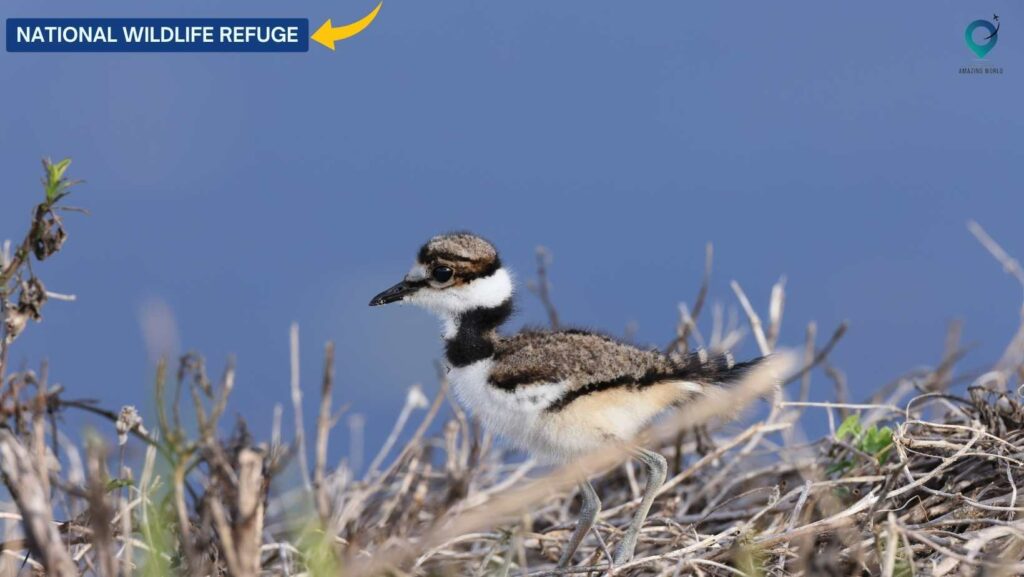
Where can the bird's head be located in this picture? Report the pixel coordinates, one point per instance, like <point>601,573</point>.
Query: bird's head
<point>454,273</point>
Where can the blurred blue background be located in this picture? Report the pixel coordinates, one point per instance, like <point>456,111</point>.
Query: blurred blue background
<point>832,143</point>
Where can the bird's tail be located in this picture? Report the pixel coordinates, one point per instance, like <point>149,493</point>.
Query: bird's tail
<point>713,368</point>
<point>703,374</point>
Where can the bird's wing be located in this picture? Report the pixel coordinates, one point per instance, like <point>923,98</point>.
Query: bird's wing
<point>586,360</point>
<point>576,358</point>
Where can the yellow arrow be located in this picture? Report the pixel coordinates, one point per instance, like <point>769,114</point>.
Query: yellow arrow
<point>328,35</point>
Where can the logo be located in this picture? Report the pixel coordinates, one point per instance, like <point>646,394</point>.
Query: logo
<point>989,34</point>
<point>981,37</point>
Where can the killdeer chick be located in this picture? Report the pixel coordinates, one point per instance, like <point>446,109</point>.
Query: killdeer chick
<point>557,394</point>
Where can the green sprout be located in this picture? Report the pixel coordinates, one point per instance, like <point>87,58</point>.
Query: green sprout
<point>872,440</point>
<point>54,183</point>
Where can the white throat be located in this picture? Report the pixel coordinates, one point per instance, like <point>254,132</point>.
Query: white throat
<point>449,303</point>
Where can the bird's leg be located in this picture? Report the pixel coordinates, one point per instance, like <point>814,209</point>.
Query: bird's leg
<point>657,469</point>
<point>589,510</point>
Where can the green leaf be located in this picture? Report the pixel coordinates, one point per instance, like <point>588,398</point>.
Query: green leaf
<point>115,484</point>
<point>840,467</point>
<point>850,426</point>
<point>57,170</point>
<point>54,183</point>
<point>877,441</point>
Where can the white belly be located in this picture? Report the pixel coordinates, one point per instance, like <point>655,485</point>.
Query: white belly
<point>588,423</point>
<point>517,416</point>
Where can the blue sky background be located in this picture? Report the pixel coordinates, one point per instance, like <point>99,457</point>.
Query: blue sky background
<point>832,143</point>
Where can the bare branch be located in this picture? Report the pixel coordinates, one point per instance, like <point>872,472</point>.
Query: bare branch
<point>25,486</point>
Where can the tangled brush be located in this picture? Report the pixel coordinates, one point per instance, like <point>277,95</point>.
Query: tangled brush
<point>918,479</point>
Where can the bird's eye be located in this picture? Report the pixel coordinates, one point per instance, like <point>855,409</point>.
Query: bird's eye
<point>442,274</point>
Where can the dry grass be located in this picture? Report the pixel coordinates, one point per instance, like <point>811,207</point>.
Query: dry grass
<point>916,480</point>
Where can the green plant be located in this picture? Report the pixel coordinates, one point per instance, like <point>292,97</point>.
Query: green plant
<point>872,440</point>
<point>56,186</point>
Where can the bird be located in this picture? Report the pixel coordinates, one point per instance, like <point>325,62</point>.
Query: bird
<point>558,394</point>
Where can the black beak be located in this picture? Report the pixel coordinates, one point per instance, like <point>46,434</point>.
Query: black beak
<point>394,294</point>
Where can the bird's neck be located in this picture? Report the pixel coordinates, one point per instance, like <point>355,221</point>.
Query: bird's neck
<point>471,335</point>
